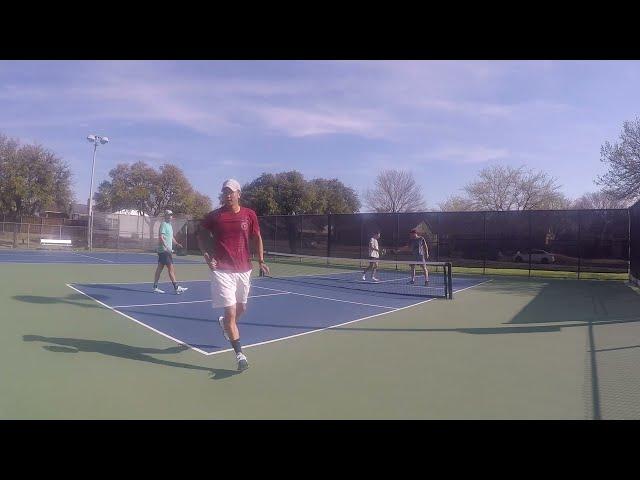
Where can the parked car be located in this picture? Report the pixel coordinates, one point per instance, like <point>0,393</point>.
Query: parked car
<point>537,256</point>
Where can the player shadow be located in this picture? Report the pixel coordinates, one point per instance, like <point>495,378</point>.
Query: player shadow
<point>72,299</point>
<point>114,349</point>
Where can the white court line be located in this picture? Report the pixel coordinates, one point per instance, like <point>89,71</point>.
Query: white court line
<point>80,262</point>
<point>89,256</point>
<point>143,282</point>
<point>53,257</point>
<point>326,298</point>
<point>192,301</point>
<point>158,304</point>
<point>138,322</point>
<point>341,324</point>
<point>268,341</point>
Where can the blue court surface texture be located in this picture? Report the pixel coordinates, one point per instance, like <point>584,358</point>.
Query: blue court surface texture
<point>277,309</point>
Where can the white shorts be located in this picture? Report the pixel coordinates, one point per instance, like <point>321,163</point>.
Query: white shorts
<point>229,288</point>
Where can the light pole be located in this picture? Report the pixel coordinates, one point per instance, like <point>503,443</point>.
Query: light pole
<point>95,139</point>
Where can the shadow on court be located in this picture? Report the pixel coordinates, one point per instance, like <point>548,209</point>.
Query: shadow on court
<point>140,354</point>
<point>72,299</point>
<point>511,329</point>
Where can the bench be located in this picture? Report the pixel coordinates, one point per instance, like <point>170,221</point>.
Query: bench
<point>49,242</point>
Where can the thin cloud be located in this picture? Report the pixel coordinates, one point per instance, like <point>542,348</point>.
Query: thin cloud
<point>301,123</point>
<point>466,155</point>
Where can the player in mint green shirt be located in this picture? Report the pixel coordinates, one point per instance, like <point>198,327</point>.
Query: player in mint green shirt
<point>165,257</point>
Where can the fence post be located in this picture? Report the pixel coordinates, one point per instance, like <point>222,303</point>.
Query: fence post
<point>438,215</point>
<point>529,243</point>
<point>275,235</point>
<point>579,242</point>
<point>361,231</point>
<point>329,220</point>
<point>28,232</point>
<point>397,239</point>
<point>629,243</point>
<point>60,233</point>
<point>301,233</point>
<point>484,243</point>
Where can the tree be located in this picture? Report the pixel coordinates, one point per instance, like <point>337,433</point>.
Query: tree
<point>150,192</point>
<point>198,205</point>
<point>8,164</point>
<point>598,200</point>
<point>131,187</point>
<point>286,193</point>
<point>456,203</point>
<point>395,191</point>
<point>332,196</point>
<point>500,188</point>
<point>622,181</point>
<point>32,180</point>
<point>260,195</point>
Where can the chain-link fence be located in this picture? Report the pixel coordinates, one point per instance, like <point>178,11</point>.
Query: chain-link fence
<point>110,232</point>
<point>562,240</point>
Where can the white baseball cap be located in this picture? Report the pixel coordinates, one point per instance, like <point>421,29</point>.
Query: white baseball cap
<point>168,212</point>
<point>232,184</point>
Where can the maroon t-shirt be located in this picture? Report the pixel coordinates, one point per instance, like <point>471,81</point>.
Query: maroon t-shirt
<point>231,232</point>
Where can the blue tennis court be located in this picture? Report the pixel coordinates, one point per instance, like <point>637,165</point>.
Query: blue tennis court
<point>277,309</point>
<point>93,258</point>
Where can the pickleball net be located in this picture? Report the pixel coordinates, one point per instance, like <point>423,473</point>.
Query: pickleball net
<point>391,276</point>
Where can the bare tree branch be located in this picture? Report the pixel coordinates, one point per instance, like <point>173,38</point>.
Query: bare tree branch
<point>500,188</point>
<point>622,181</point>
<point>598,200</point>
<point>395,191</point>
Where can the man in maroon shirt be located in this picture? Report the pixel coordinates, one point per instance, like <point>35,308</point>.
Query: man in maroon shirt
<point>233,227</point>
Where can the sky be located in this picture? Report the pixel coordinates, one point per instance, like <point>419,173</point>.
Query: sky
<point>443,121</point>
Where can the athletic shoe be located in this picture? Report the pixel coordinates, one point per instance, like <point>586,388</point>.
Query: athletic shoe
<point>426,283</point>
<point>375,279</point>
<point>157,290</point>
<point>364,277</point>
<point>180,290</point>
<point>242,362</point>
<point>412,282</point>
<point>221,322</point>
